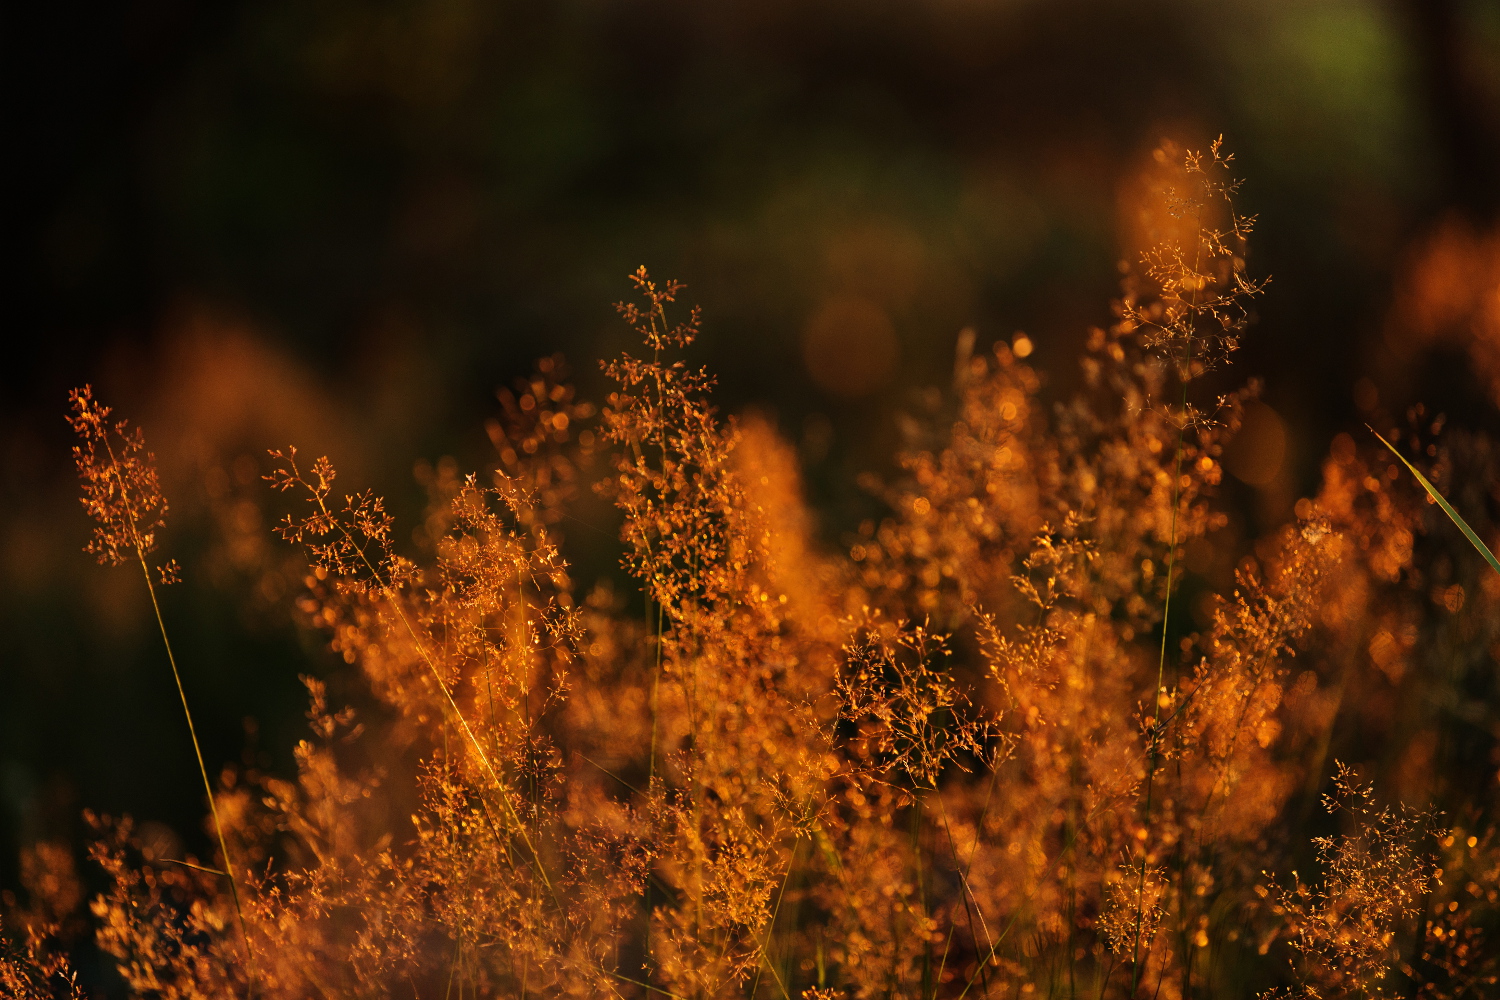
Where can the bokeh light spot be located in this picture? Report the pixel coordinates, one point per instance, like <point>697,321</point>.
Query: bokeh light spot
<point>1258,451</point>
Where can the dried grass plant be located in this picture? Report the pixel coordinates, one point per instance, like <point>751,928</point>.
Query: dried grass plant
<point>986,750</point>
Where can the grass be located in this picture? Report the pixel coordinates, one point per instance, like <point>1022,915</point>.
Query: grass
<point>944,758</point>
<point>1437,498</point>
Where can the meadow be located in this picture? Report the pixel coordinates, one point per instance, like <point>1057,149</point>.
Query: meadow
<point>1039,730</point>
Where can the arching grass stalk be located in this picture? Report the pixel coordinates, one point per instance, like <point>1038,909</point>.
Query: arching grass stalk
<point>1437,498</point>
<point>213,807</point>
<point>122,492</point>
<point>354,557</point>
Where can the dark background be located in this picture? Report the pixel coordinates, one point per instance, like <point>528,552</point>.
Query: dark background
<point>344,224</point>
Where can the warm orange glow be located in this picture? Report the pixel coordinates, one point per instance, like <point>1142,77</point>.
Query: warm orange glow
<point>984,745</point>
<point>850,347</point>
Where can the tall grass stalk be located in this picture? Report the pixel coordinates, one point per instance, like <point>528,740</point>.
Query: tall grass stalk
<point>213,807</point>
<point>117,493</point>
<point>1156,693</point>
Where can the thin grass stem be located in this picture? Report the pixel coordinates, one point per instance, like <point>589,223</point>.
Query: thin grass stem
<point>140,553</point>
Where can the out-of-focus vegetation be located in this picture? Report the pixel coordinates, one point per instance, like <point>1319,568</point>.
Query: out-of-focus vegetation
<point>348,224</point>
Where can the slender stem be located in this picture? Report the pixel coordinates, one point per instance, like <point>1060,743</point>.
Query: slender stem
<point>391,595</point>
<point>655,692</point>
<point>1161,666</point>
<point>994,949</point>
<point>967,895</point>
<point>197,750</point>
<point>771,927</point>
<point>484,759</point>
<point>140,555</point>
<point>658,310</point>
<point>651,767</point>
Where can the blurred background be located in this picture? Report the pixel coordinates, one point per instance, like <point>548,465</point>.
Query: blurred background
<point>345,225</point>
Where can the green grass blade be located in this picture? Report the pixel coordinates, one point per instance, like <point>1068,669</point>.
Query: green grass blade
<point>1437,497</point>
